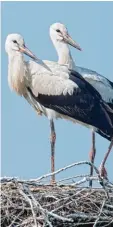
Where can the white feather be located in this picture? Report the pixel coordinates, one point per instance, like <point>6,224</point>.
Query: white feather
<point>100,83</point>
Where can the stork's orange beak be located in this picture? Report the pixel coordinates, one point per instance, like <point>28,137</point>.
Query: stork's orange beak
<point>26,51</point>
<point>71,42</point>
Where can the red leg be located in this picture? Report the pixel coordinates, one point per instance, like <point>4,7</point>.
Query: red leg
<point>92,156</point>
<point>52,141</point>
<point>102,170</point>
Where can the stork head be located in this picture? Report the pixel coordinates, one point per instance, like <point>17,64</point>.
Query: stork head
<point>15,44</point>
<point>59,33</point>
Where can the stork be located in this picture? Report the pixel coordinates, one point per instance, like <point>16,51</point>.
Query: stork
<point>61,41</point>
<point>60,94</point>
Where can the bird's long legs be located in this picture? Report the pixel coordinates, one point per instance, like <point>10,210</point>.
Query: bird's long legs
<point>92,156</point>
<point>102,170</point>
<point>52,142</point>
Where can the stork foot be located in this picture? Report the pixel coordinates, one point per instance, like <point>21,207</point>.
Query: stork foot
<point>53,182</point>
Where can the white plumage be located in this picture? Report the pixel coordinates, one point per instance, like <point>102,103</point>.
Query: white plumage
<point>39,77</point>
<point>58,92</point>
<point>58,32</point>
<point>99,82</point>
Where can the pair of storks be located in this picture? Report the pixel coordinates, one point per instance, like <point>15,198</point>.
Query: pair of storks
<point>62,90</point>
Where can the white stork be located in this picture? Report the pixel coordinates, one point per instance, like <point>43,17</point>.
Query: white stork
<point>61,38</point>
<point>66,96</point>
<point>60,41</point>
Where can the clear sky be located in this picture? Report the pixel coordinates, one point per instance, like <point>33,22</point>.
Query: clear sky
<point>25,136</point>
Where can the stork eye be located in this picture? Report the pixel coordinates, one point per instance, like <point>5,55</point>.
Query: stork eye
<point>14,41</point>
<point>57,30</point>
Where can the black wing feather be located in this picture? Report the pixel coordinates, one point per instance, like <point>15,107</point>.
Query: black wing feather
<point>83,105</point>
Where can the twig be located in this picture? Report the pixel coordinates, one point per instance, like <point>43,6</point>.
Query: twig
<point>31,205</point>
<point>73,177</point>
<point>85,179</point>
<point>99,213</point>
<point>65,168</point>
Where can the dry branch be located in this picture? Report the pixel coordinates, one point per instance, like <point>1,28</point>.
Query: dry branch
<point>35,204</point>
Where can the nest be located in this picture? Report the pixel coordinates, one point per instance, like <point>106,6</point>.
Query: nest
<point>34,203</point>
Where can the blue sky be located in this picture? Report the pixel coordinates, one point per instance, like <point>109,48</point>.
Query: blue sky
<point>25,136</point>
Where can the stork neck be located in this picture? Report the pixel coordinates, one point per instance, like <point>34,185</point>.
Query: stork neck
<point>64,55</point>
<point>16,73</point>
